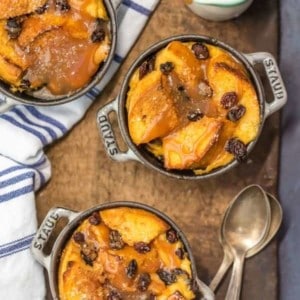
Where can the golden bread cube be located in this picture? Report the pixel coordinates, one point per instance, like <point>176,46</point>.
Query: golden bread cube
<point>14,8</point>
<point>153,115</point>
<point>134,225</point>
<point>187,146</point>
<point>8,72</point>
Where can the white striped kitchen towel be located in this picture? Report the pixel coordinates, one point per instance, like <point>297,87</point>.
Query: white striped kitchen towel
<point>24,168</point>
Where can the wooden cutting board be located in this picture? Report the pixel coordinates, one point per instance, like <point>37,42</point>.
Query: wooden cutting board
<point>83,176</point>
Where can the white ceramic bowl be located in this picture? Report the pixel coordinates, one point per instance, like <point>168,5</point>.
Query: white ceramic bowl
<point>219,10</point>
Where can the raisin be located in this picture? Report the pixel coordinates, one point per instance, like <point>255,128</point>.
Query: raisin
<point>25,84</point>
<point>144,281</point>
<point>229,99</point>
<point>237,148</point>
<point>236,112</point>
<point>200,51</point>
<point>167,67</point>
<point>142,247</point>
<point>89,253</point>
<point>14,27</point>
<point>147,66</point>
<point>181,88</point>
<point>78,237</point>
<point>167,277</point>
<point>94,219</point>
<point>195,115</point>
<point>178,271</point>
<point>131,269</point>
<point>62,5</point>
<point>115,240</point>
<point>180,253</point>
<point>98,34</point>
<point>205,89</point>
<point>172,236</point>
<point>114,295</point>
<point>40,10</point>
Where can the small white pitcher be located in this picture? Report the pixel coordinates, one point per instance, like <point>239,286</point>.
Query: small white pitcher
<point>218,10</point>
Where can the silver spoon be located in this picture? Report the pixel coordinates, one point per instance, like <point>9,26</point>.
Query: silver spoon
<point>276,220</point>
<point>245,226</point>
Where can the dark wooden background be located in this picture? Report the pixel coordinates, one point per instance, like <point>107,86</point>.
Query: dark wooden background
<point>83,176</point>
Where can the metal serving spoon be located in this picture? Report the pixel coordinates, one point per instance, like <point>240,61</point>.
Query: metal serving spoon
<point>246,225</point>
<point>276,220</point>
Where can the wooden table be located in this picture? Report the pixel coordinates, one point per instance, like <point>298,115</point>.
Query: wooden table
<point>83,176</point>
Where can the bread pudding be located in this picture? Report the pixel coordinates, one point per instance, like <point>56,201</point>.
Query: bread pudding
<point>193,106</point>
<point>125,253</point>
<point>52,48</point>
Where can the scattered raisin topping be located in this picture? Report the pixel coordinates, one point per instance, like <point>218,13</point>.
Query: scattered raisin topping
<point>167,277</point>
<point>40,10</point>
<point>237,148</point>
<point>62,5</point>
<point>98,34</point>
<point>14,27</point>
<point>115,240</point>
<point>229,100</point>
<point>131,270</point>
<point>200,51</point>
<point>78,237</point>
<point>172,236</point>
<point>143,282</point>
<point>89,253</point>
<point>94,219</point>
<point>142,247</point>
<point>114,295</point>
<point>25,84</point>
<point>236,112</point>
<point>167,68</point>
<point>178,271</point>
<point>147,66</point>
<point>180,253</point>
<point>194,116</point>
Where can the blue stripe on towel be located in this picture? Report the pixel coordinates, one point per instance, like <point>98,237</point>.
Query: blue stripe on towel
<point>46,118</point>
<point>16,179</point>
<point>51,132</point>
<point>137,7</point>
<point>26,128</point>
<point>16,193</point>
<point>118,58</point>
<point>16,168</point>
<point>16,247</point>
<point>17,241</point>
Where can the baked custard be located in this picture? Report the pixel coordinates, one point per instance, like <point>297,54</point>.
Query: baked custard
<point>52,48</point>
<point>193,106</point>
<point>125,253</point>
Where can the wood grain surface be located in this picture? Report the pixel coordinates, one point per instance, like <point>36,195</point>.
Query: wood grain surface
<point>83,176</point>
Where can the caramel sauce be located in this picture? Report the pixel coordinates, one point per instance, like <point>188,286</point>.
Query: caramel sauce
<point>61,63</point>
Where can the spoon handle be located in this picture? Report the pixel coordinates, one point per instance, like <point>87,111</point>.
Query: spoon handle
<point>226,263</point>
<point>234,289</point>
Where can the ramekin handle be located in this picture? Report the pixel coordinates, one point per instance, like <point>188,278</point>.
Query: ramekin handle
<point>274,76</point>
<point>108,136</point>
<point>44,232</point>
<point>6,103</point>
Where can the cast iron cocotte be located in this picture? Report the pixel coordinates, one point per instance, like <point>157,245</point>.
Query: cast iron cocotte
<point>140,154</point>
<point>51,261</point>
<point>9,99</point>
